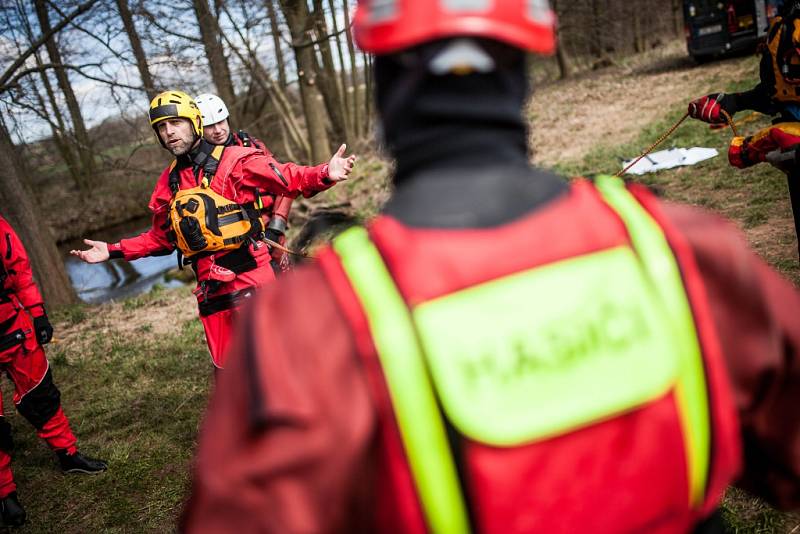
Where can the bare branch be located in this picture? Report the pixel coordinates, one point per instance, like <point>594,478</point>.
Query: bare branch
<point>9,72</point>
<point>312,42</point>
<point>154,21</point>
<point>14,82</point>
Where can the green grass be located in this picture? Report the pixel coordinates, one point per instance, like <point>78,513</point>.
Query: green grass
<point>133,400</point>
<point>752,197</point>
<point>745,514</point>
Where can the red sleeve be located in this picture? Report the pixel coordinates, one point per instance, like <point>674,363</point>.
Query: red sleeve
<point>284,441</point>
<point>155,240</point>
<point>757,315</point>
<point>286,179</point>
<point>19,276</point>
<point>283,206</point>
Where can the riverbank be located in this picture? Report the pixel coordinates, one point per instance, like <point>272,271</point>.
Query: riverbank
<point>135,374</point>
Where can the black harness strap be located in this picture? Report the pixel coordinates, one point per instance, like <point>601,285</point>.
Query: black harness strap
<point>206,158</point>
<point>249,141</point>
<point>245,137</point>
<point>224,302</point>
<point>174,178</point>
<point>12,340</point>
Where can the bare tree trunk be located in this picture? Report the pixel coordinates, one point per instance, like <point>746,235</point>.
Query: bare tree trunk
<point>638,38</point>
<point>367,94</point>
<point>276,41</point>
<point>564,63</point>
<point>24,215</point>
<point>136,47</point>
<point>275,92</point>
<point>287,146</point>
<point>354,104</point>
<point>58,129</point>
<point>299,21</point>
<point>84,145</point>
<point>61,144</point>
<point>348,119</point>
<point>562,57</point>
<point>217,63</point>
<point>597,31</point>
<point>326,74</point>
<point>677,16</point>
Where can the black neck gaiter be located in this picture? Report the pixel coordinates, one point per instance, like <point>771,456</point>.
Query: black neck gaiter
<point>451,120</point>
<point>459,142</point>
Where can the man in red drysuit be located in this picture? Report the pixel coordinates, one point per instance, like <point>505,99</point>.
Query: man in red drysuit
<point>501,351</point>
<point>24,329</point>
<point>225,278</point>
<point>217,130</point>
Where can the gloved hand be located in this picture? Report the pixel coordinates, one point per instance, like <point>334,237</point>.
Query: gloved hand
<point>708,108</point>
<point>273,235</point>
<point>43,329</point>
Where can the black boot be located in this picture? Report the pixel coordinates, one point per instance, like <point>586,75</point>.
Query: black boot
<point>12,512</point>
<point>78,463</point>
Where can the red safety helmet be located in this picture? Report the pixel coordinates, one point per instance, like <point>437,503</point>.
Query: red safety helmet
<point>386,26</point>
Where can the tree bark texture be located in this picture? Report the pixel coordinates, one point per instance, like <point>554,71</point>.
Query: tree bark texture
<point>358,128</point>
<point>217,62</point>
<point>326,74</point>
<point>300,23</point>
<point>348,122</point>
<point>22,212</point>
<point>136,47</point>
<point>276,41</point>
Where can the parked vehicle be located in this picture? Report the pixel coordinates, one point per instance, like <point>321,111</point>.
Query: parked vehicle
<point>716,27</point>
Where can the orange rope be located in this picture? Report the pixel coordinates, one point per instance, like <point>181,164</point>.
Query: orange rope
<point>668,133</point>
<point>653,146</point>
<point>280,247</point>
<point>730,122</point>
<point>748,118</point>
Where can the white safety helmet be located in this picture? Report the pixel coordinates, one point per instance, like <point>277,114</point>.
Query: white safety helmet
<point>212,108</point>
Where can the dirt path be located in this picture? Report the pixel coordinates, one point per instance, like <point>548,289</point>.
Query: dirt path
<point>611,106</point>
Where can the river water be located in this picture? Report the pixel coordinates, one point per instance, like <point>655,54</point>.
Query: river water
<point>116,279</point>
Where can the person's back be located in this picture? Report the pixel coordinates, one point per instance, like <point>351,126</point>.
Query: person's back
<point>501,352</point>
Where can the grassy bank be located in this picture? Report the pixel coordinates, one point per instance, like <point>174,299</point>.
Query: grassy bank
<point>134,378</point>
<point>755,199</point>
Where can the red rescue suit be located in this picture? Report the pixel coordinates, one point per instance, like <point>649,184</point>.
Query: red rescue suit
<point>276,208</point>
<point>225,279</point>
<point>272,455</point>
<point>35,395</point>
<point>595,475</point>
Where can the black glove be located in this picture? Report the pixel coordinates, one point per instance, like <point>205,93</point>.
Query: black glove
<point>273,235</point>
<point>43,328</point>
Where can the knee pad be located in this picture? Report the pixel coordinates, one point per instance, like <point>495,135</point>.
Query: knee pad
<point>6,439</point>
<point>41,403</point>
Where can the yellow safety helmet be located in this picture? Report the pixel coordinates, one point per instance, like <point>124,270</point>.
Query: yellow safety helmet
<point>175,104</point>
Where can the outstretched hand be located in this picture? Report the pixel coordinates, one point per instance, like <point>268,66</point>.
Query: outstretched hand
<point>339,166</point>
<point>96,254</point>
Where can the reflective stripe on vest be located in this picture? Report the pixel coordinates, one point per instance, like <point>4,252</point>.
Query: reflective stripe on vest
<point>594,318</point>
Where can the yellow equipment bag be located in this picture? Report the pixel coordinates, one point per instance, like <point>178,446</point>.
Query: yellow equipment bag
<point>204,221</point>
